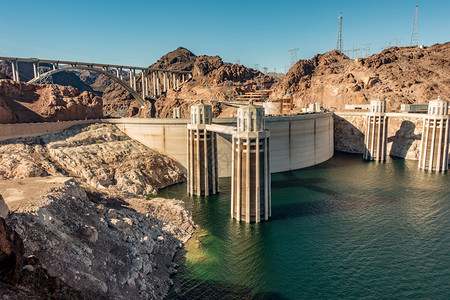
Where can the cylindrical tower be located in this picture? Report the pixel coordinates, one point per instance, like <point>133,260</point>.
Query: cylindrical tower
<point>375,140</point>
<point>435,137</point>
<point>203,179</point>
<point>250,174</point>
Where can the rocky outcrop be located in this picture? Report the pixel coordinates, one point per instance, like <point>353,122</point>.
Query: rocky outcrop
<point>23,102</point>
<point>212,79</point>
<point>99,155</point>
<point>96,232</point>
<point>181,59</point>
<point>11,254</point>
<point>399,75</point>
<point>4,210</point>
<point>117,249</point>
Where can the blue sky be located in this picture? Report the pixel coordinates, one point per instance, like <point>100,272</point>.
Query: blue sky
<point>255,32</point>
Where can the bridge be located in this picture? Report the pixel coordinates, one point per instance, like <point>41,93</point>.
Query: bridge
<point>154,81</point>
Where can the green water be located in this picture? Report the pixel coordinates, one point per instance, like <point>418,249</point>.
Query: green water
<point>343,229</point>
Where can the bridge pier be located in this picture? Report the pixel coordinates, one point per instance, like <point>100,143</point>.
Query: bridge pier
<point>15,70</point>
<point>177,113</point>
<point>157,85</point>
<point>435,137</point>
<point>375,140</point>
<point>203,179</point>
<point>250,174</point>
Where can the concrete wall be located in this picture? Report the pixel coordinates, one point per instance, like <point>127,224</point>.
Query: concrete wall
<point>11,131</point>
<point>295,141</point>
<point>404,133</point>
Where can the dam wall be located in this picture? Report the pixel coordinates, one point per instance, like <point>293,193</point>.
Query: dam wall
<point>403,139</point>
<point>295,141</point>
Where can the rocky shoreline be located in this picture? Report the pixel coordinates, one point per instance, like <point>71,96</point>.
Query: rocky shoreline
<point>75,199</point>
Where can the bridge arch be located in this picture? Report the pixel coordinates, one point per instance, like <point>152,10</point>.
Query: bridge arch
<point>103,72</point>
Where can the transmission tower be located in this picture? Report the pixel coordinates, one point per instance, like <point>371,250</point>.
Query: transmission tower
<point>415,29</point>
<point>265,70</point>
<point>293,51</point>
<point>340,43</point>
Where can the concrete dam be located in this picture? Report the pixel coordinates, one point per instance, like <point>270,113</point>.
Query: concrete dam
<point>297,141</point>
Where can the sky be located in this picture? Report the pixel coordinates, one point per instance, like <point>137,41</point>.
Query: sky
<point>261,32</point>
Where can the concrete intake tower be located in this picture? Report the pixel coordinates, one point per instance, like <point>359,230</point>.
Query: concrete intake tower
<point>203,179</point>
<point>435,137</point>
<point>250,185</point>
<point>375,140</point>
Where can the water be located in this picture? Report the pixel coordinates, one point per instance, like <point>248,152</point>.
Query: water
<point>343,229</point>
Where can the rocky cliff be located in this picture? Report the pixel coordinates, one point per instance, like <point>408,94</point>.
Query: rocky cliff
<point>94,230</point>
<point>22,102</point>
<point>399,75</point>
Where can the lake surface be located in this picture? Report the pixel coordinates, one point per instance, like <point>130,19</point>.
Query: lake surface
<point>343,229</point>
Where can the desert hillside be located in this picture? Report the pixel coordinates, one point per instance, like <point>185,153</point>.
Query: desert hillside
<point>399,75</point>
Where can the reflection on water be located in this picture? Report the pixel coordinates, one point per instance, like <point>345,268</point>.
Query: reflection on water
<point>345,228</point>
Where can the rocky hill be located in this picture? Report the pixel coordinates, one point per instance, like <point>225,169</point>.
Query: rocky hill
<point>76,198</point>
<point>22,102</point>
<point>399,75</point>
<point>212,79</point>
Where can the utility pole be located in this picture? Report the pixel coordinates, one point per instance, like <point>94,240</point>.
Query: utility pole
<point>293,51</point>
<point>415,29</point>
<point>340,42</point>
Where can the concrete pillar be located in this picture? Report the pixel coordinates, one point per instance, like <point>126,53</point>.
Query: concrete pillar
<point>202,153</point>
<point>146,83</point>
<point>168,81</point>
<point>157,85</point>
<point>131,78</point>
<point>173,80</point>
<point>177,113</point>
<point>143,83</point>
<point>134,79</point>
<point>13,67</point>
<point>375,140</point>
<point>164,80</point>
<point>250,182</point>
<point>435,137</point>
<point>178,81</point>
<point>154,84</point>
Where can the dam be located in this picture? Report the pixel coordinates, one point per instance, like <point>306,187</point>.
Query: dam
<point>297,141</point>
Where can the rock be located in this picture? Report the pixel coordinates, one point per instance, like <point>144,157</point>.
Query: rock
<point>4,210</point>
<point>11,254</point>
<point>22,102</point>
<point>28,268</point>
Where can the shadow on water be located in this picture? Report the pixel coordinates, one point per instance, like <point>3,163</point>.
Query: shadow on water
<point>336,202</point>
<point>403,139</point>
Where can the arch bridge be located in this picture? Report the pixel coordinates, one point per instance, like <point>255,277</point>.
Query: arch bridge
<point>154,81</point>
